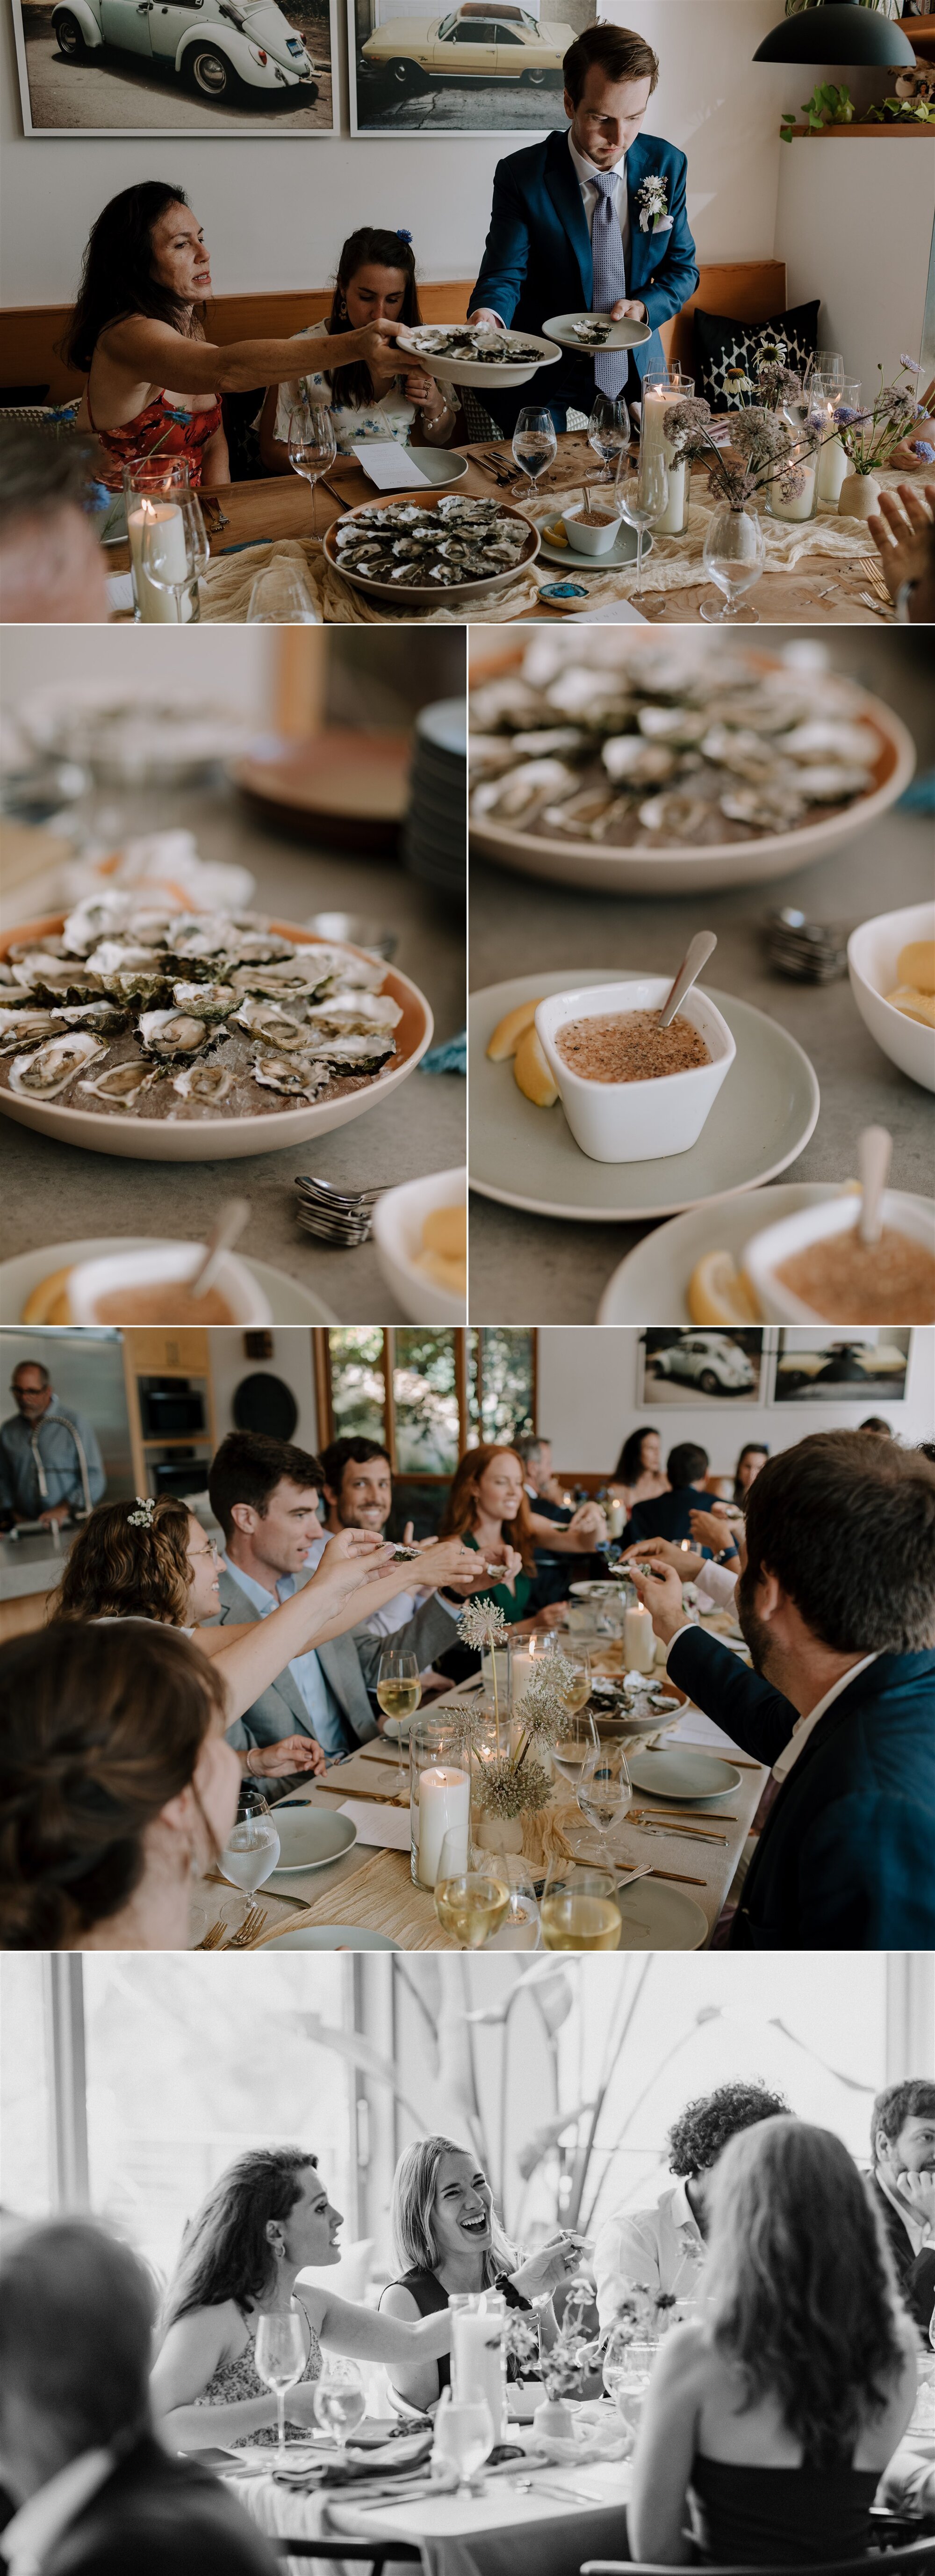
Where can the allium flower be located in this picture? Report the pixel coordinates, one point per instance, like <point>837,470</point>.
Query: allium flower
<point>505,1788</point>
<point>777,384</point>
<point>482,1624</point>
<point>912,365</point>
<point>544,1705</point>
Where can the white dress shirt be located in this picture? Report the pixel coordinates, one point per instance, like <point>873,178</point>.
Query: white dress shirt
<point>30,2538</point>
<point>803,1725</point>
<point>587,175</point>
<point>649,2249</point>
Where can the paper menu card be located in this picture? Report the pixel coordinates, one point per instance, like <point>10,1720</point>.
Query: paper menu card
<point>389,465</point>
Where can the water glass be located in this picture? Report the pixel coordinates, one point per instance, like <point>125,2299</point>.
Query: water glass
<point>340,2399</point>
<point>464,2435</point>
<point>734,553</point>
<point>609,431</point>
<point>627,2371</point>
<point>577,1741</point>
<point>281,596</point>
<point>579,1908</point>
<point>642,499</point>
<point>603,1789</point>
<point>534,442</point>
<point>279,2358</point>
<point>826,363</point>
<point>251,1851</point>
<point>174,552</point>
<point>312,445</point>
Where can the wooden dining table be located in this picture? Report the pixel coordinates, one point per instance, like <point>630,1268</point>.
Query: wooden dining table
<point>817,591</point>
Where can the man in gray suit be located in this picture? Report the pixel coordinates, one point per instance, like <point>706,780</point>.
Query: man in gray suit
<point>265,1495</point>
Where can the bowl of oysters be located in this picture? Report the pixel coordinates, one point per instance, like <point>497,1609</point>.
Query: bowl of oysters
<point>468,353</point>
<point>416,553</point>
<point>642,766</point>
<point>186,1037</point>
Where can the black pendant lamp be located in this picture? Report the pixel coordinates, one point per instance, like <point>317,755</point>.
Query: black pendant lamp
<point>838,31</point>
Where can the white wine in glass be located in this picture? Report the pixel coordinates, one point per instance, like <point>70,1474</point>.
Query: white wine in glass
<point>279,2358</point>
<point>399,1692</point>
<point>578,1692</point>
<point>579,1909</point>
<point>472,1899</point>
<point>340,2399</point>
<point>312,446</point>
<point>577,1742</point>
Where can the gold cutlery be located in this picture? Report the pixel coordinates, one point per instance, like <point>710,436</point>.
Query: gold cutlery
<point>247,1937</point>
<point>213,1936</point>
<point>681,1875</point>
<point>689,1814</point>
<point>684,1833</point>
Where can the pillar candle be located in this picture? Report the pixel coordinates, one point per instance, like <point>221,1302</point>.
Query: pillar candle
<point>832,469</point>
<point>444,1802</point>
<point>656,401</point>
<point>477,2361</point>
<point>616,1518</point>
<point>801,506</point>
<point>639,1644</point>
<point>522,1664</point>
<point>157,607</point>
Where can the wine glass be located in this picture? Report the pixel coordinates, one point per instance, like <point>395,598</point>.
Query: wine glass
<point>534,442</point>
<point>281,596</point>
<point>579,1909</point>
<point>603,1789</point>
<point>279,2357</point>
<point>175,550</point>
<point>642,499</point>
<point>472,1894</point>
<point>251,1851</point>
<point>609,431</point>
<point>734,553</point>
<point>340,2399</point>
<point>578,1739</point>
<point>312,445</point>
<point>520,1928</point>
<point>626,2373</point>
<point>826,363</point>
<point>577,1693</point>
<point>399,1692</point>
<point>464,2434</point>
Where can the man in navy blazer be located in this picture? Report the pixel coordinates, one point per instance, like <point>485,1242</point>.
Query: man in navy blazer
<point>837,1605</point>
<point>538,257</point>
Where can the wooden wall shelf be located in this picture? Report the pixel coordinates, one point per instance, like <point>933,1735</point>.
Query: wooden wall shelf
<point>844,132</point>
<point>921,34</point>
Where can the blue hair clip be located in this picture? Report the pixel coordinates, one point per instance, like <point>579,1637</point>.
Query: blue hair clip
<point>401,235</point>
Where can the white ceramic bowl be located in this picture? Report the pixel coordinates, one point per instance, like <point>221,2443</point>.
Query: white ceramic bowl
<point>164,1262</point>
<point>636,1122</point>
<point>872,951</point>
<point>209,1140</point>
<point>460,371</point>
<point>398,1219</point>
<point>677,870</point>
<point>590,541</point>
<point>426,594</point>
<point>765,1253</point>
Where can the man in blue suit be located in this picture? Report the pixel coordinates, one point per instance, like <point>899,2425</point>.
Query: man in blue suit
<point>592,220</point>
<point>837,1605</point>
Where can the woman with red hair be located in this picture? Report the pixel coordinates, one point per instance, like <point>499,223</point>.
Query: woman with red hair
<point>487,1507</point>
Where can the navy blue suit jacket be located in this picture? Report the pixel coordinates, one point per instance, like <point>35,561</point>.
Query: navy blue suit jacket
<point>537,259</point>
<point>844,1861</point>
<point>669,1516</point>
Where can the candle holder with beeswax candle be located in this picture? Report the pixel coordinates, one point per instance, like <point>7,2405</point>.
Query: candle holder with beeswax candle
<point>150,486</point>
<point>661,389</point>
<point>478,2359</point>
<point>439,1791</point>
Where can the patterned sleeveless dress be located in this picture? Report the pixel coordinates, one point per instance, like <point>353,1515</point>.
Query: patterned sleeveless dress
<point>241,2378</point>
<point>160,424</point>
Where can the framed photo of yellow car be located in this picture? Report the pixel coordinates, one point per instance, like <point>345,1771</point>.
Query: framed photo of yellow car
<point>478,67</point>
<point>177,66</point>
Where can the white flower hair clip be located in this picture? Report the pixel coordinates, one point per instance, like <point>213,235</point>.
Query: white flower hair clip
<point>144,1514</point>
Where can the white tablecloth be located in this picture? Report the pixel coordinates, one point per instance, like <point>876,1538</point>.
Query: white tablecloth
<point>571,2514</point>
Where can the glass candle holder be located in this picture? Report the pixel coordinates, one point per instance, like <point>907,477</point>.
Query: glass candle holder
<point>478,2360</point>
<point>801,505</point>
<point>662,389</point>
<point>439,1793</point>
<point>149,483</point>
<point>524,1655</point>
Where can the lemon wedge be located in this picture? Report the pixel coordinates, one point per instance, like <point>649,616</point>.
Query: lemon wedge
<point>914,1004</point>
<point>47,1303</point>
<point>507,1034</point>
<point>719,1294</point>
<point>531,1072</point>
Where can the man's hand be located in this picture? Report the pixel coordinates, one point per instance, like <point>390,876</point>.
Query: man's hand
<point>56,1514</point>
<point>660,1589</point>
<point>447,1560</point>
<point>669,1553</point>
<point>553,1616</point>
<point>918,2192</point>
<point>628,310</point>
<point>903,535</point>
<point>508,1562</point>
<point>710,1530</point>
<point>352,1558</point>
<point>485,314</point>
<point>587,1523</point>
<point>292,1753</point>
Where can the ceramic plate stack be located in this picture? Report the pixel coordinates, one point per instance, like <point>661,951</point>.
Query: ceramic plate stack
<point>435,835</point>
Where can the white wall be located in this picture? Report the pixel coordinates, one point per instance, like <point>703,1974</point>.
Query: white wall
<point>720,107</point>
<point>291,1360</point>
<point>587,1404</point>
<point>854,222</point>
<point>234,665</point>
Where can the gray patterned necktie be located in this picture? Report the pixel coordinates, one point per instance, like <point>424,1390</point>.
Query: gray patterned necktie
<point>610,276</point>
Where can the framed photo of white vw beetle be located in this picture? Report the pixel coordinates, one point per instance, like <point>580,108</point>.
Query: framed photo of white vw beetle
<point>175,66</point>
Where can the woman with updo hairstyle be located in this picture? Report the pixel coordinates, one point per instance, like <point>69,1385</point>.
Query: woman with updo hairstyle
<point>115,1785</point>
<point>266,2220</point>
<point>448,2237</point>
<point>150,1560</point>
<point>638,1476</point>
<point>772,2414</point>
<point>384,396</point>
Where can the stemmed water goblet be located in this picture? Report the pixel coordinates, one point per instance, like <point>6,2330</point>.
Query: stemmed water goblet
<point>464,2434</point>
<point>577,1742</point>
<point>251,1851</point>
<point>609,432</point>
<point>734,554</point>
<point>603,1790</point>
<point>642,498</point>
<point>312,446</point>
<point>534,442</point>
<point>340,2399</point>
<point>175,551</point>
<point>279,2358</point>
<point>281,596</point>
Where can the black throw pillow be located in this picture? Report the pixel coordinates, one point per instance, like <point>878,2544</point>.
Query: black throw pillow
<point>721,343</point>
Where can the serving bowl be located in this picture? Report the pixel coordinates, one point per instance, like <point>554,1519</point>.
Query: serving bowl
<point>777,1243</point>
<point>205,1140</point>
<point>398,1218</point>
<point>463,371</point>
<point>160,1265</point>
<point>425,594</point>
<point>680,870</point>
<point>872,951</point>
<point>636,1122</point>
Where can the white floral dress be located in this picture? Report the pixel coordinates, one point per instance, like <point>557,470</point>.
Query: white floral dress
<point>391,417</point>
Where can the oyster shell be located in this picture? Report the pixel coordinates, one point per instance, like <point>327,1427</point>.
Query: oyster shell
<point>210,1082</point>
<point>833,783</point>
<point>354,1011</point>
<point>97,918</point>
<point>120,957</point>
<point>356,1053</point>
<point>632,762</point>
<point>105,1017</point>
<point>767,808</point>
<point>61,978</point>
<point>293,1075</point>
<point>265,1020</point>
<point>539,782</point>
<point>173,1032</point>
<point>120,1082</point>
<point>209,1002</point>
<point>25,1027</point>
<point>676,815</point>
<point>54,1065</point>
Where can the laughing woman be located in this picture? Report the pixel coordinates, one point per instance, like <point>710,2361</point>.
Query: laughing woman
<point>446,2234</point>
<point>267,2220</point>
<point>154,380</point>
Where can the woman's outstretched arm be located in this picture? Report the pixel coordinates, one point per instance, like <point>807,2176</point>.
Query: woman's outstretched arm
<point>154,352</point>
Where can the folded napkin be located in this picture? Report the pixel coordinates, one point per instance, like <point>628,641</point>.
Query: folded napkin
<point>449,1057</point>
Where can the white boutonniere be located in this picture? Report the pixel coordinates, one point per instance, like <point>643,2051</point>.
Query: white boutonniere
<point>652,195</point>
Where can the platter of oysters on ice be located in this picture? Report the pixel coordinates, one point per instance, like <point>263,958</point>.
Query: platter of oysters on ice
<point>476,353</point>
<point>640,766</point>
<point>413,554</point>
<point>185,1037</point>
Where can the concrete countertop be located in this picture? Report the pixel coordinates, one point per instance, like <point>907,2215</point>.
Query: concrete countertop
<point>57,1193</point>
<point>31,1565</point>
<point>539,1270</point>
